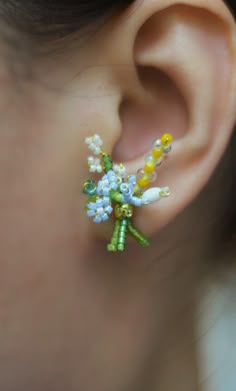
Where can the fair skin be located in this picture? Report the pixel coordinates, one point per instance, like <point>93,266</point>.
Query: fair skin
<point>72,315</point>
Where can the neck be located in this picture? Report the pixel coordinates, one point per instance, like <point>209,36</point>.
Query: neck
<point>176,368</point>
<point>153,319</point>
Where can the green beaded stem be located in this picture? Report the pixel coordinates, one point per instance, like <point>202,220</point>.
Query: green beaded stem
<point>118,240</point>
<point>141,239</point>
<point>107,162</point>
<point>112,246</point>
<point>122,228</point>
<point>122,235</point>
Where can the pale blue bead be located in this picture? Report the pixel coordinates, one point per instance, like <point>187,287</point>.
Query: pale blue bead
<point>109,209</point>
<point>99,203</point>
<point>113,186</point>
<point>92,205</point>
<point>129,198</point>
<point>105,217</point>
<point>132,180</point>
<point>91,213</point>
<point>110,173</point>
<point>106,201</point>
<point>124,188</point>
<point>137,201</point>
<point>97,219</point>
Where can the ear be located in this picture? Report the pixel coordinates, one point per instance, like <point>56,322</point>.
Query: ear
<point>180,79</point>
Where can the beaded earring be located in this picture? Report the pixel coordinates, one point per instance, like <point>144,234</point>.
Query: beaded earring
<point>118,193</point>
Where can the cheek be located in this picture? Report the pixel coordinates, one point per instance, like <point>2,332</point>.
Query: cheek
<point>38,203</point>
<point>41,235</point>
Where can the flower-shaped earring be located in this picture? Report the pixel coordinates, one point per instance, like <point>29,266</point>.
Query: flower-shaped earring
<point>118,193</point>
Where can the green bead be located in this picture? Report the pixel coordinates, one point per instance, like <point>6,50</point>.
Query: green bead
<point>111,247</point>
<point>107,162</point>
<point>116,196</point>
<point>121,247</point>
<point>89,188</point>
<point>141,239</point>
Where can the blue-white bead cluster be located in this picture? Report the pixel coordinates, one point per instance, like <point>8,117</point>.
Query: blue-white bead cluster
<point>107,183</point>
<point>100,209</point>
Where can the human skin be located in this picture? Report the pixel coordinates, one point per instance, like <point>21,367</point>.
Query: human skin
<point>72,315</point>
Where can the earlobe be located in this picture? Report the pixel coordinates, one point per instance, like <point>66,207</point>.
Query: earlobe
<point>184,59</point>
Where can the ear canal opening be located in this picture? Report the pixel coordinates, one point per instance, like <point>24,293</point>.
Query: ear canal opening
<point>165,112</point>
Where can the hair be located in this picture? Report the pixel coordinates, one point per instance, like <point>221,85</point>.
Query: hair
<point>36,29</point>
<point>53,20</point>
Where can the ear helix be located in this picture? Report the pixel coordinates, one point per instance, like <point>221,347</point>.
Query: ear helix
<point>118,193</point>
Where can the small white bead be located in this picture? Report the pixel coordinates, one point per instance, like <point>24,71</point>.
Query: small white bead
<point>88,140</point>
<point>97,151</point>
<point>165,192</point>
<point>140,173</point>
<point>159,161</point>
<point>97,140</point>
<point>148,158</point>
<point>152,176</point>
<point>157,144</point>
<point>167,149</point>
<point>120,170</point>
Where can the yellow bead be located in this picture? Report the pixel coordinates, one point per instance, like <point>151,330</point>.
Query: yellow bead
<point>157,153</point>
<point>150,166</point>
<point>166,139</point>
<point>143,182</point>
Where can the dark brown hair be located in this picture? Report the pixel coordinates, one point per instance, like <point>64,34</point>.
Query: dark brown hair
<point>52,19</point>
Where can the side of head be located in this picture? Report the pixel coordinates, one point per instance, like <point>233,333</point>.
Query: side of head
<point>131,74</point>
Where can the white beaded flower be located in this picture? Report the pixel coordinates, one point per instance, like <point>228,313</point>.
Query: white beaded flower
<point>120,170</point>
<point>94,164</point>
<point>94,144</point>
